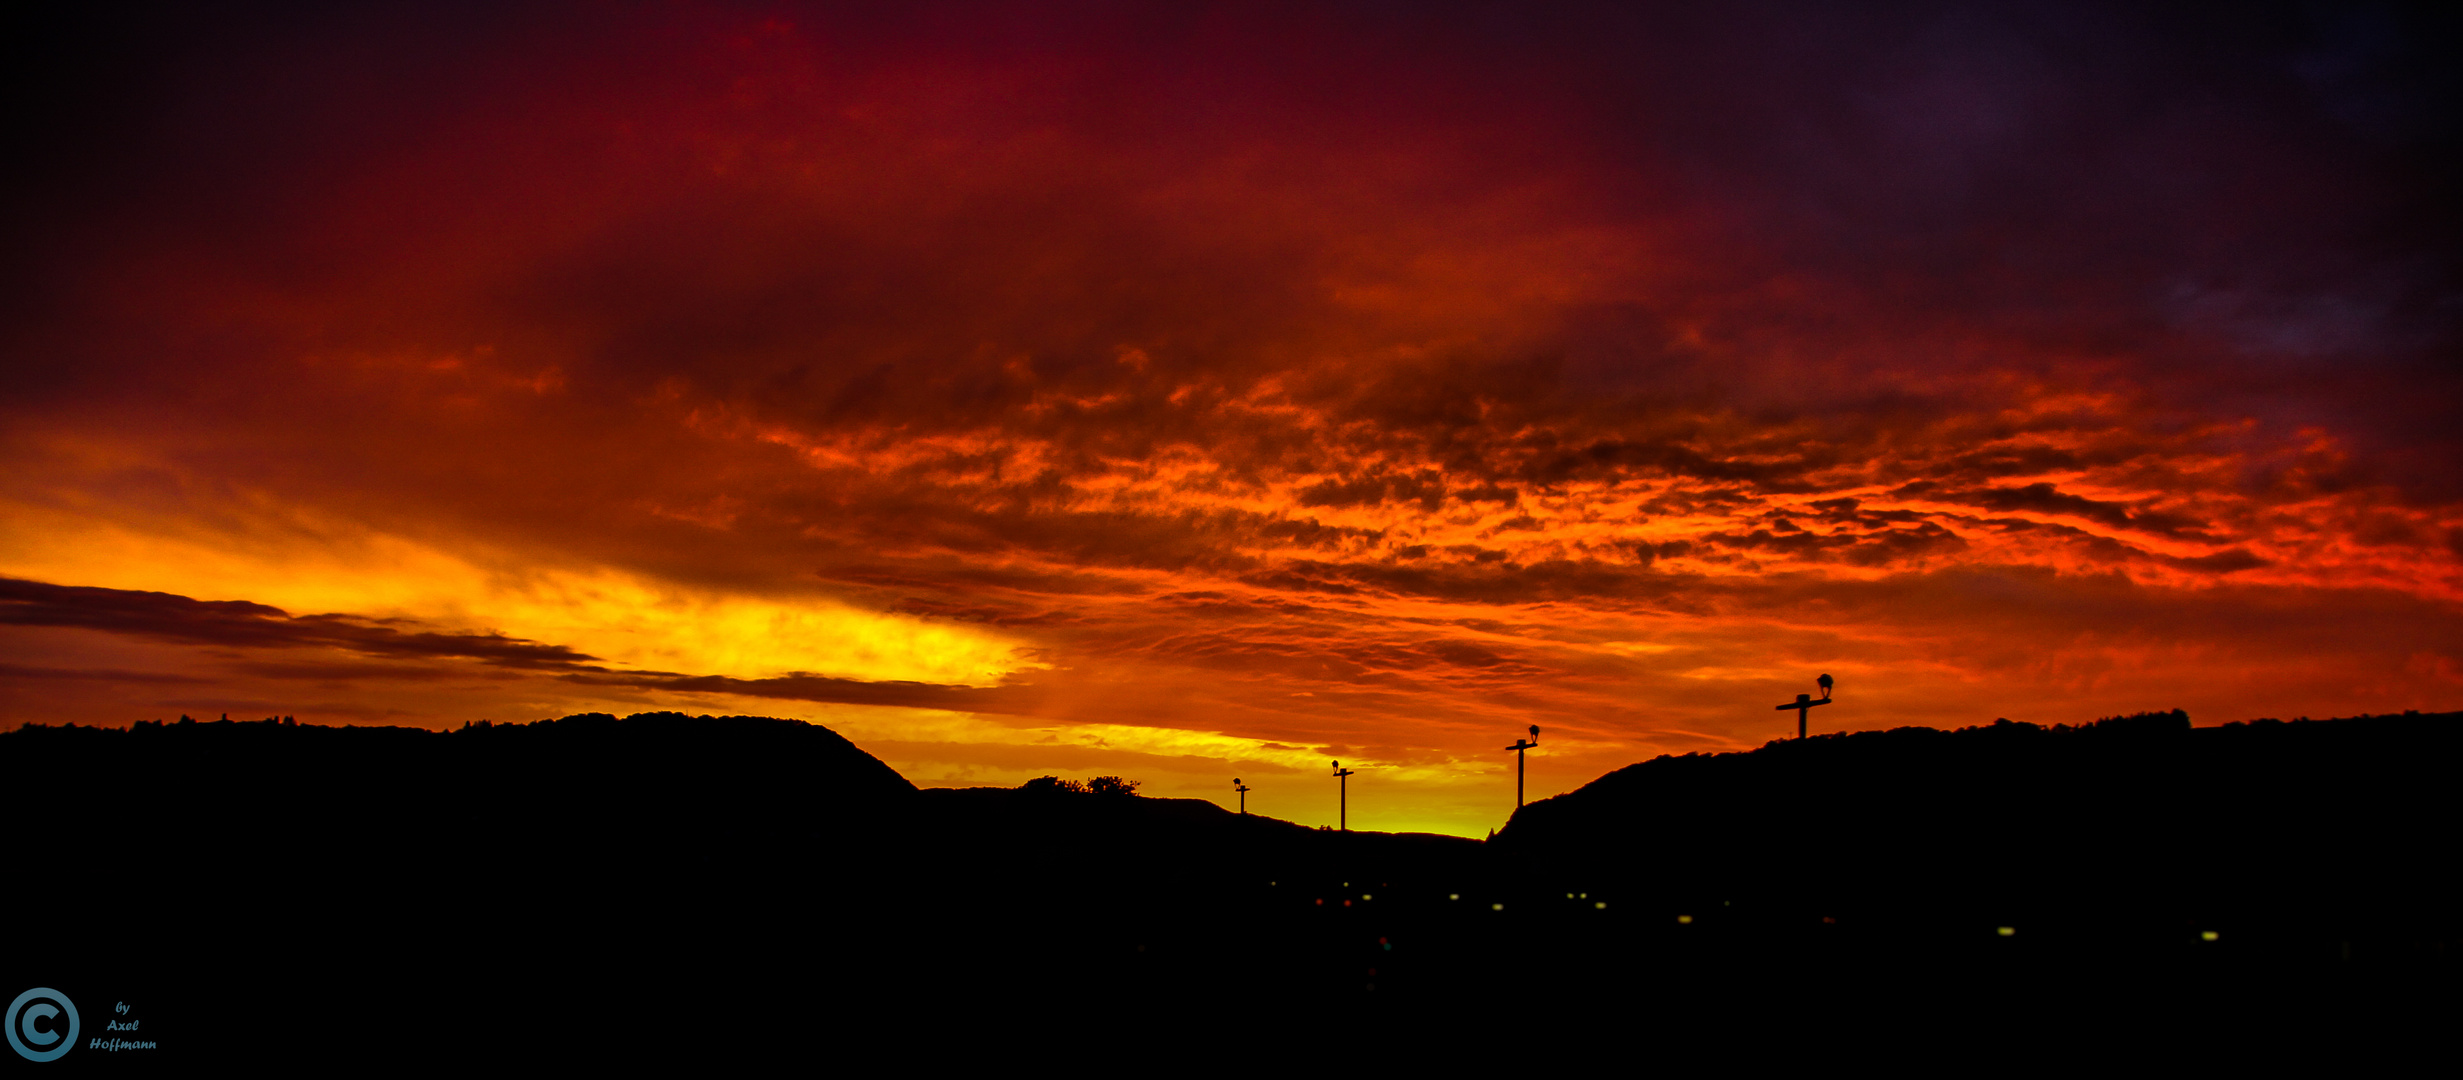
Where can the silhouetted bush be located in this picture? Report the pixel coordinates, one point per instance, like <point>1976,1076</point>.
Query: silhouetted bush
<point>1052,785</point>
<point>1112,786</point>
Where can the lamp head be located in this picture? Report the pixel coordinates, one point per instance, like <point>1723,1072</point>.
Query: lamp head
<point>1535,731</point>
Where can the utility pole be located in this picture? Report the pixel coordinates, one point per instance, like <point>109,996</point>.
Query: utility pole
<point>1243,789</point>
<point>1344,775</point>
<point>1804,704</point>
<point>1519,748</point>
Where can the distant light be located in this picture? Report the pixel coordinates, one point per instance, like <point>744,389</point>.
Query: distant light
<point>1586,896</point>
<point>1569,896</point>
<point>1321,901</point>
<point>1346,903</point>
<point>1496,907</point>
<point>1274,883</point>
<point>2208,935</point>
<point>2006,931</point>
<point>1600,904</point>
<point>1453,896</point>
<point>1687,919</point>
<point>1365,896</point>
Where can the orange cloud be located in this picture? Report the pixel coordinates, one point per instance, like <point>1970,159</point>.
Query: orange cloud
<point>1205,395</point>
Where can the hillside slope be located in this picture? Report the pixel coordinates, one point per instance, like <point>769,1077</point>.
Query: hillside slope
<point>2319,830</point>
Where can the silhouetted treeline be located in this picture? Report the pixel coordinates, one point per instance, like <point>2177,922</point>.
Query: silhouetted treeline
<point>1112,786</point>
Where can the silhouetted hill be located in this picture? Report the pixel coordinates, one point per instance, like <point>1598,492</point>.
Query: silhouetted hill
<point>2306,840</point>
<point>561,880</point>
<point>732,888</point>
<point>350,875</point>
<point>401,816</point>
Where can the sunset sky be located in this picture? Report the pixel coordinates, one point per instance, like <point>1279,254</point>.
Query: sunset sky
<point>1189,392</point>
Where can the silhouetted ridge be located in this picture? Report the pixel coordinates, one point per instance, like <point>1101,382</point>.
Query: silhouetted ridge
<point>2141,820</point>
<point>673,880</point>
<point>399,864</point>
<point>644,782</point>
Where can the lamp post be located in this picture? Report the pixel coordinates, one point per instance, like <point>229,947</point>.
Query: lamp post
<point>1520,747</point>
<point>1804,703</point>
<point>1243,789</point>
<point>1343,775</point>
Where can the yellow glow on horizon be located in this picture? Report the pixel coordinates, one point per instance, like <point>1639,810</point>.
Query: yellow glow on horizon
<point>306,566</point>
<point>1460,798</point>
<point>862,723</point>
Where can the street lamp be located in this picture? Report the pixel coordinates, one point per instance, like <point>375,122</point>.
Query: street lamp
<point>1344,776</point>
<point>1520,747</point>
<point>1804,703</point>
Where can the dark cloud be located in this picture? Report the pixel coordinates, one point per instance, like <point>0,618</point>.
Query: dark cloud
<point>1426,488</point>
<point>23,671</point>
<point>2221,562</point>
<point>817,688</point>
<point>1883,547</point>
<point>2046,498</point>
<point>241,624</point>
<point>1615,457</point>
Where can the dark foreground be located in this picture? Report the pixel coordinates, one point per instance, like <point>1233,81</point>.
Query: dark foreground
<point>738,890</point>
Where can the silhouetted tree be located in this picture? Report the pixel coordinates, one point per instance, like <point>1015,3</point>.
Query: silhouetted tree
<point>1111,785</point>
<point>1052,785</point>
<point>1102,785</point>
